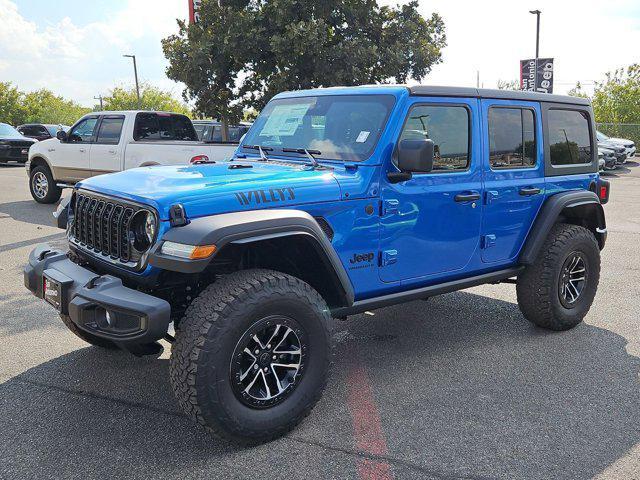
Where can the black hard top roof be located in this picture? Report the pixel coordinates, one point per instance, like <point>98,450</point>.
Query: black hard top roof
<point>438,91</point>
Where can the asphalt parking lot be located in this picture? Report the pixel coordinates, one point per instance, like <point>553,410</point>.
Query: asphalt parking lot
<point>461,386</point>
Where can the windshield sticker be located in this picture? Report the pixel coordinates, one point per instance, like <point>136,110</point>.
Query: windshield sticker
<point>362,137</point>
<point>284,120</point>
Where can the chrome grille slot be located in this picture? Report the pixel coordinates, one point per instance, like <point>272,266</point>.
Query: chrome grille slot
<point>101,226</point>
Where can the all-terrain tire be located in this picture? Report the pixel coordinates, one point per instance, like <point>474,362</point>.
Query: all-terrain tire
<point>42,186</point>
<point>539,287</point>
<point>208,339</point>
<point>87,337</point>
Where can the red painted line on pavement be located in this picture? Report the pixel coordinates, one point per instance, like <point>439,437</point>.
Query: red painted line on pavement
<point>367,429</point>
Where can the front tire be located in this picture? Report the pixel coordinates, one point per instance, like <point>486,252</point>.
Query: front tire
<point>557,291</point>
<point>42,186</point>
<point>251,355</point>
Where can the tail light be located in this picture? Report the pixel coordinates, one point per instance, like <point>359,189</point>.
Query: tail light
<point>199,159</point>
<point>603,191</point>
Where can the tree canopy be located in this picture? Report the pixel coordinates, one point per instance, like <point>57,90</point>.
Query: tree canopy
<point>242,52</point>
<point>617,98</point>
<point>151,98</point>
<point>41,106</point>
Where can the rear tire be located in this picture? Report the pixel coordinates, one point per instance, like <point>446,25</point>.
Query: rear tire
<point>557,291</point>
<point>221,386</point>
<point>42,186</point>
<point>87,337</point>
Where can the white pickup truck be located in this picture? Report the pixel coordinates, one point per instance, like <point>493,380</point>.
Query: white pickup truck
<point>106,142</point>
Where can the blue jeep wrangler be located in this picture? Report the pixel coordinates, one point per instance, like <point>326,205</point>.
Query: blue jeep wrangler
<point>338,201</point>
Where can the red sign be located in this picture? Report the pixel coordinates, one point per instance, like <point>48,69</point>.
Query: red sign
<point>194,10</point>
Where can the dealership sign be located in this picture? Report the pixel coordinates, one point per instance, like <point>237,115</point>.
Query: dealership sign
<point>194,11</point>
<point>540,81</point>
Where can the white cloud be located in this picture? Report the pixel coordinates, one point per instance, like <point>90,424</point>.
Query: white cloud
<point>81,61</point>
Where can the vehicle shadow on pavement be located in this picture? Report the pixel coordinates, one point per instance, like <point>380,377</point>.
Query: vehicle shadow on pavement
<point>464,386</point>
<point>29,211</point>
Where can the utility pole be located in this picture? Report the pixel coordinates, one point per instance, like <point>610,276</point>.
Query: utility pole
<point>477,78</point>
<point>135,72</point>
<point>99,97</point>
<point>537,14</point>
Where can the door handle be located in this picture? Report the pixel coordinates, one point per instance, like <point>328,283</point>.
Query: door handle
<point>528,191</point>
<point>112,151</point>
<point>82,150</point>
<point>467,196</point>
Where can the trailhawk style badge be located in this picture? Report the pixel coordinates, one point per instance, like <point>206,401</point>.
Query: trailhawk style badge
<point>272,195</point>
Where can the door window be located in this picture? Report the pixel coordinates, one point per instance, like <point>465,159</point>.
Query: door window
<point>569,137</point>
<point>83,131</point>
<point>448,127</point>
<point>512,142</point>
<point>110,130</point>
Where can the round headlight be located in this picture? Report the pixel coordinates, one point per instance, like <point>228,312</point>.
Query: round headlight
<point>143,230</point>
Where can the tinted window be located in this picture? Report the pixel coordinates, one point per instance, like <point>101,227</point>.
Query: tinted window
<point>340,127</point>
<point>448,127</point>
<point>83,131</point>
<point>159,126</point>
<point>569,137</point>
<point>110,130</point>
<point>216,136</point>
<point>32,130</point>
<point>512,141</point>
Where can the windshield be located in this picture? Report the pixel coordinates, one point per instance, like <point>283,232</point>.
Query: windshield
<point>340,127</point>
<point>601,136</point>
<point>7,131</point>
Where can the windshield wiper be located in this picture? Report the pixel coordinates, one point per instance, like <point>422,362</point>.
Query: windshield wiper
<point>261,149</point>
<point>309,153</point>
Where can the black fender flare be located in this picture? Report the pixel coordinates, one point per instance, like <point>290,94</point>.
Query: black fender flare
<point>246,227</point>
<point>581,204</point>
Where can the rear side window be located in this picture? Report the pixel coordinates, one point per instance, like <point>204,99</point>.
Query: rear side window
<point>448,127</point>
<point>512,142</point>
<point>110,130</point>
<point>569,137</point>
<point>154,126</point>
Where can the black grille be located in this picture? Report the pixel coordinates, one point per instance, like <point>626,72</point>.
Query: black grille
<point>102,225</point>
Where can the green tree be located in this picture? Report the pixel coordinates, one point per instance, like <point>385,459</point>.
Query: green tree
<point>577,91</point>
<point>242,52</point>
<point>617,98</point>
<point>12,110</point>
<point>43,106</point>
<point>151,98</point>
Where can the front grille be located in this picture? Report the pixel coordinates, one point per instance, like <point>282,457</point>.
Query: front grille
<point>101,225</point>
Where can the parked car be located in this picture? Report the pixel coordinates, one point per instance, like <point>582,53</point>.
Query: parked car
<point>333,206</point>
<point>41,131</point>
<point>211,131</point>
<point>628,145</point>
<point>608,157</point>
<point>105,142</point>
<point>14,147</point>
<point>617,150</point>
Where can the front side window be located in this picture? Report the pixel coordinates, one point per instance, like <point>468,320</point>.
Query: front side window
<point>110,130</point>
<point>340,127</point>
<point>448,127</point>
<point>569,137</point>
<point>83,131</point>
<point>512,142</point>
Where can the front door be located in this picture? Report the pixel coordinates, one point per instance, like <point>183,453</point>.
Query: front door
<point>71,161</point>
<point>514,176</point>
<point>107,151</point>
<point>430,224</point>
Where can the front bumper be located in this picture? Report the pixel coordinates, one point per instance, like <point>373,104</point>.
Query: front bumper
<point>98,304</point>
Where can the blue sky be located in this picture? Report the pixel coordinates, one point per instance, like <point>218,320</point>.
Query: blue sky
<point>75,47</point>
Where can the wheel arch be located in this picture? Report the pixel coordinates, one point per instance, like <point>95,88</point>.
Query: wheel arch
<point>581,208</point>
<point>289,241</point>
<point>39,160</point>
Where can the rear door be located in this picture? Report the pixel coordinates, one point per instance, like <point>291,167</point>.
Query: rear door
<point>514,176</point>
<point>430,224</point>
<point>107,151</point>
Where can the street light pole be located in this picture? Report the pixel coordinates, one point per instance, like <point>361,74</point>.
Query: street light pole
<point>537,14</point>
<point>99,97</point>
<point>135,72</point>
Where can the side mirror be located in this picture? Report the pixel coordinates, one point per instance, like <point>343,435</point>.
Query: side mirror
<point>414,156</point>
<point>61,135</point>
